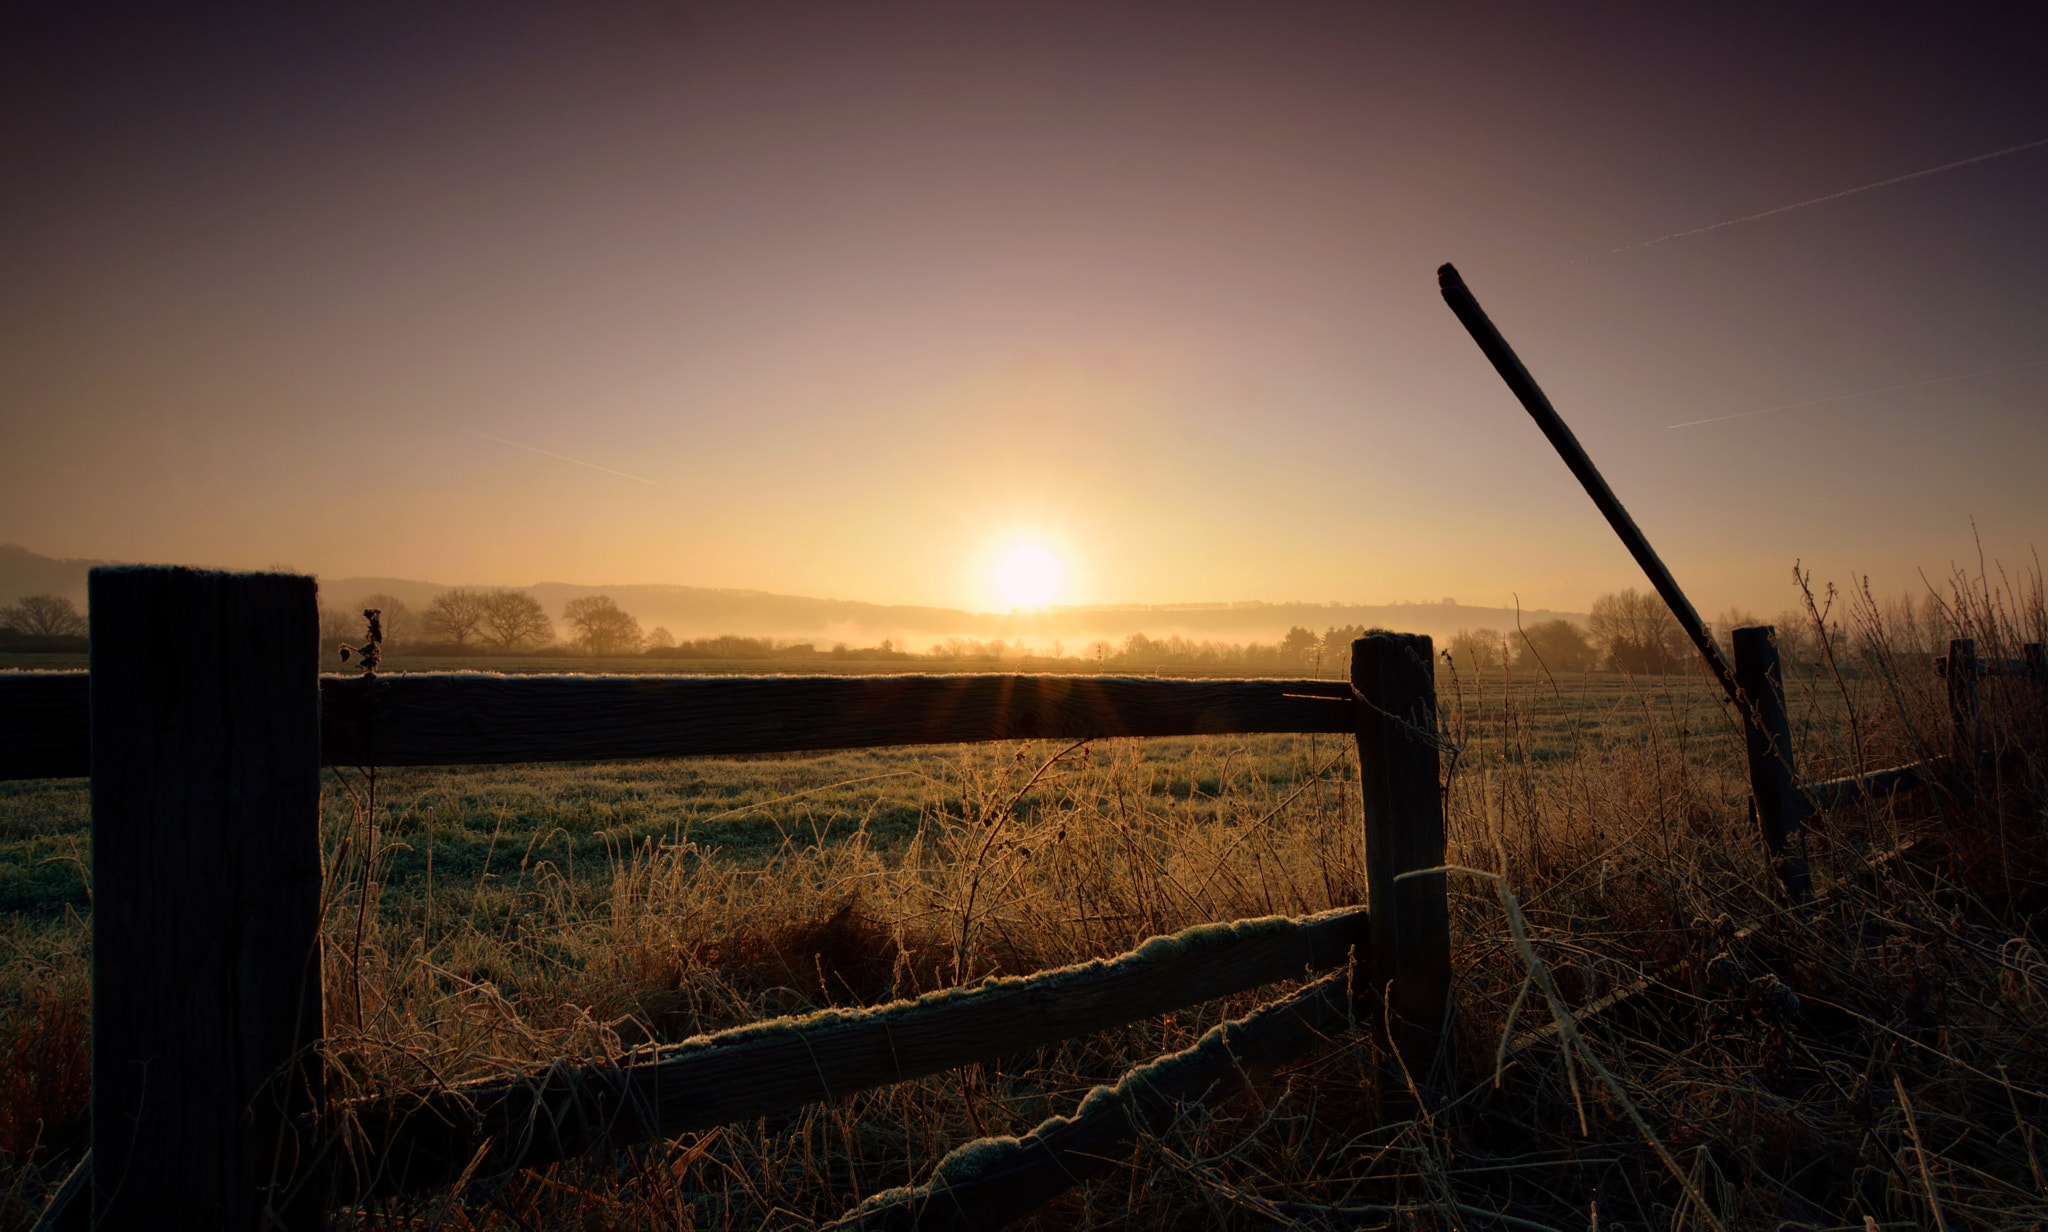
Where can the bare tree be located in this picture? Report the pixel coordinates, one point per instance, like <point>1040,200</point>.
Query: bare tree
<point>43,616</point>
<point>602,627</point>
<point>659,638</point>
<point>513,621</point>
<point>454,616</point>
<point>1638,633</point>
<point>1481,649</point>
<point>340,626</point>
<point>401,624</point>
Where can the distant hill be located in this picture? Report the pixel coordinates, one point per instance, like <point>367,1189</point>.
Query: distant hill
<point>24,573</point>
<point>698,611</point>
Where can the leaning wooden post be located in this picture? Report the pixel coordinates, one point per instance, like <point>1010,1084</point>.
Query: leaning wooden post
<point>206,897</point>
<point>1773,779</point>
<point>1394,676</point>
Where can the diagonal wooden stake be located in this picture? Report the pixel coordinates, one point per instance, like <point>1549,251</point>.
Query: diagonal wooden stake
<point>1574,454</point>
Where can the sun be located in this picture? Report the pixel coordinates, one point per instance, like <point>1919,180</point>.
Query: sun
<point>1027,576</point>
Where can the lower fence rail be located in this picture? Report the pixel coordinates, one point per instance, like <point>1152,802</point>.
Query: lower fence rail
<point>419,1140</point>
<point>994,1181</point>
<point>1783,803</point>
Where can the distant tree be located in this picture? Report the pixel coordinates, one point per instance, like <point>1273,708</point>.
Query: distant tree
<point>659,638</point>
<point>1798,641</point>
<point>602,627</point>
<point>1481,650</point>
<point>43,616</point>
<point>454,616</point>
<point>1337,641</point>
<point>1555,645</point>
<point>1638,633</point>
<point>1100,651</point>
<point>401,624</point>
<point>340,626</point>
<point>1299,646</point>
<point>513,621</point>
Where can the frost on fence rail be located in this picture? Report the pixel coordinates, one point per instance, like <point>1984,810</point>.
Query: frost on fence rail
<point>418,1140</point>
<point>993,1181</point>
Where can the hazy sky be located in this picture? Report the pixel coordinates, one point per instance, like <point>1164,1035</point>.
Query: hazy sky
<point>849,300</point>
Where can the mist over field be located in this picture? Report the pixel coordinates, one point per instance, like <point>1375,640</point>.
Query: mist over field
<point>697,612</point>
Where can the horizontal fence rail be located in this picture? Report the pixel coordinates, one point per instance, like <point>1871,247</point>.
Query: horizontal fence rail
<point>421,1140</point>
<point>1852,788</point>
<point>2032,666</point>
<point>992,1182</point>
<point>477,718</point>
<point>45,725</point>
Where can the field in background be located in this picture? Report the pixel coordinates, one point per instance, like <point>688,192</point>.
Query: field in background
<point>475,822</point>
<point>483,919</point>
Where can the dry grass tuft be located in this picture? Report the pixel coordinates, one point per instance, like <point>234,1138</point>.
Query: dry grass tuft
<point>45,1080</point>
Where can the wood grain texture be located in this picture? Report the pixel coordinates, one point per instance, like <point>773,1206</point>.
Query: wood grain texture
<point>418,1141</point>
<point>1394,675</point>
<point>473,718</point>
<point>993,1182</point>
<point>45,725</point>
<point>206,893</point>
<point>1767,739</point>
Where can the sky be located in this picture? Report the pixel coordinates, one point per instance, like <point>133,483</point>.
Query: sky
<point>858,301</point>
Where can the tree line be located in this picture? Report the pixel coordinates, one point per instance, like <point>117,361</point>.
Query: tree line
<point>501,620</point>
<point>1626,631</point>
<point>1633,632</point>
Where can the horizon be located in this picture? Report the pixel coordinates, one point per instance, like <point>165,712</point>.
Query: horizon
<point>693,612</point>
<point>1025,306</point>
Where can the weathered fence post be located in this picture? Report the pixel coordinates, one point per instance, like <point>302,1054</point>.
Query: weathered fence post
<point>1395,679</point>
<point>1962,701</point>
<point>1767,735</point>
<point>206,897</point>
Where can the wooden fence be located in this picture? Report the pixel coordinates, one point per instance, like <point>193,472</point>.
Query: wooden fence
<point>204,723</point>
<point>1783,803</point>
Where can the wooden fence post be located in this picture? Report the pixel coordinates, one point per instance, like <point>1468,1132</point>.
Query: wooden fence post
<point>1395,679</point>
<point>1767,735</point>
<point>206,897</point>
<point>1962,701</point>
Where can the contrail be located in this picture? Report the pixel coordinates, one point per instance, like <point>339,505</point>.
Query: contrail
<point>1847,192</point>
<point>564,457</point>
<point>1861,393</point>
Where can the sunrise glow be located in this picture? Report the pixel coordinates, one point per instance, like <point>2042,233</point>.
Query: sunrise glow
<point>1027,576</point>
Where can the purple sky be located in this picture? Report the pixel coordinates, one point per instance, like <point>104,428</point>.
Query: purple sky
<point>851,300</point>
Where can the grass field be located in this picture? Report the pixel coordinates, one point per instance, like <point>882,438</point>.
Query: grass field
<point>1881,1054</point>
